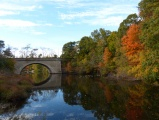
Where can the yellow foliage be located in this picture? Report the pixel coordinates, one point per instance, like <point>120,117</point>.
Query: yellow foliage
<point>155,70</point>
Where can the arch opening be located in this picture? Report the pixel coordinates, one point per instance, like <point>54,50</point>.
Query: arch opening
<point>37,72</point>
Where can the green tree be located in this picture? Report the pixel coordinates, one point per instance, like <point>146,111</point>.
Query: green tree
<point>112,42</point>
<point>101,39</point>
<point>131,19</point>
<point>85,47</point>
<point>149,13</point>
<point>69,53</point>
<point>69,50</point>
<point>8,53</point>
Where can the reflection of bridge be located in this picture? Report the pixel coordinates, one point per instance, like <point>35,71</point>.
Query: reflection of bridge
<point>53,82</point>
<point>53,64</point>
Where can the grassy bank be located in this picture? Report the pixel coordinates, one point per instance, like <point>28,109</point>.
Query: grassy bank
<point>14,88</point>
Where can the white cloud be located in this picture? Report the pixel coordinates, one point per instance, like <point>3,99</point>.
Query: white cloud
<point>110,15</point>
<point>4,13</point>
<point>100,13</point>
<point>17,23</point>
<point>20,23</point>
<point>110,21</point>
<point>17,7</point>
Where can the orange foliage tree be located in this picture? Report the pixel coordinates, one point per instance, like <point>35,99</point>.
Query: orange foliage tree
<point>132,45</point>
<point>107,55</point>
<point>68,67</point>
<point>105,64</point>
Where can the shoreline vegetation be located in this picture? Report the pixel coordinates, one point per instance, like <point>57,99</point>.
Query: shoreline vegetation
<point>14,89</point>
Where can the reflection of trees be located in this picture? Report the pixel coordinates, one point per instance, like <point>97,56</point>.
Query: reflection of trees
<point>87,92</point>
<point>106,101</point>
<point>151,106</point>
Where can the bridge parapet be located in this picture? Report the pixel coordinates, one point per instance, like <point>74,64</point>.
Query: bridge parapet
<point>38,59</point>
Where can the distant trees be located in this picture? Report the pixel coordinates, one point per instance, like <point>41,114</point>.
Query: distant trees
<point>29,52</point>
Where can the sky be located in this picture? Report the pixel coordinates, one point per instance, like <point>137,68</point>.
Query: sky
<point>53,23</point>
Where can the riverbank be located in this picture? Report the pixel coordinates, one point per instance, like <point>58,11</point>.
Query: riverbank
<point>13,89</point>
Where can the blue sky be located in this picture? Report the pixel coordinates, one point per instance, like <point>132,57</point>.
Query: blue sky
<point>52,23</point>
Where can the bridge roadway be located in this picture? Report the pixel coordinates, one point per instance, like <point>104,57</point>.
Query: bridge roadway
<point>53,64</point>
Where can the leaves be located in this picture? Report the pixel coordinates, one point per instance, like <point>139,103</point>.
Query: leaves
<point>131,43</point>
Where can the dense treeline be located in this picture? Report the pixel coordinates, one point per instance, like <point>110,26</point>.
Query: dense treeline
<point>133,50</point>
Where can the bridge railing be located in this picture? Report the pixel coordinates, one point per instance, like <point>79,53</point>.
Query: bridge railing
<point>42,59</point>
<point>38,59</point>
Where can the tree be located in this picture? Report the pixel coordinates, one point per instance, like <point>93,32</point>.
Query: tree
<point>69,50</point>
<point>100,34</point>
<point>120,59</point>
<point>101,39</point>
<point>25,51</point>
<point>131,43</point>
<point>112,42</point>
<point>131,19</point>
<point>6,64</point>
<point>1,47</point>
<point>84,62</point>
<point>33,53</point>
<point>149,13</point>
<point>86,45</point>
<point>133,47</point>
<point>7,53</point>
<point>106,56</point>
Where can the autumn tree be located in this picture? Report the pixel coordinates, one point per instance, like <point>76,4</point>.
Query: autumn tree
<point>105,64</point>
<point>120,58</point>
<point>132,47</point>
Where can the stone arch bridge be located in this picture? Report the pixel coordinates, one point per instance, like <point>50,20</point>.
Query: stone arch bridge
<point>53,64</point>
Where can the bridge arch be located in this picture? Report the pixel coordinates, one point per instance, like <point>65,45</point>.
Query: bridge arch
<point>53,64</point>
<point>21,69</point>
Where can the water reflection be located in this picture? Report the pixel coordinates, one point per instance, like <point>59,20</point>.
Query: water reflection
<point>74,97</point>
<point>112,99</point>
<point>37,72</point>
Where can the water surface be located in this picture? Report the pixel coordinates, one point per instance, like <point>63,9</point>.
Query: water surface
<point>88,98</point>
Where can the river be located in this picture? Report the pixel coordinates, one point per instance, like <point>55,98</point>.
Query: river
<point>72,97</point>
